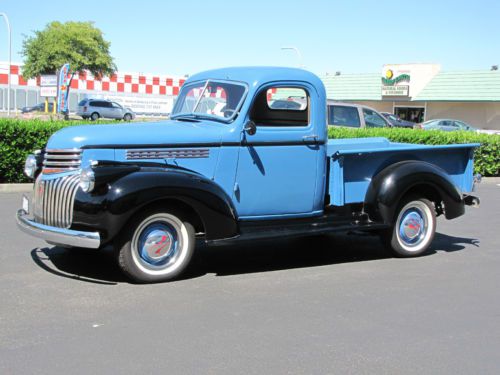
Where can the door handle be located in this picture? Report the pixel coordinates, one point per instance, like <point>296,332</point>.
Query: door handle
<point>309,138</point>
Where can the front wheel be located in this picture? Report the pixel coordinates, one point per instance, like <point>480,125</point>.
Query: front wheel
<point>414,228</point>
<point>127,117</point>
<point>158,246</point>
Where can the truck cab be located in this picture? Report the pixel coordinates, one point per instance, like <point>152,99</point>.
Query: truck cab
<point>245,155</point>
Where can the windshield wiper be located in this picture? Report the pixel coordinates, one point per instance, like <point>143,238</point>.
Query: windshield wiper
<point>196,117</point>
<point>187,117</point>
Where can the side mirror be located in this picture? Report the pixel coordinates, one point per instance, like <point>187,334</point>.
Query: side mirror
<point>250,127</point>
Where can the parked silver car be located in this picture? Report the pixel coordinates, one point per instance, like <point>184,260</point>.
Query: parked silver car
<point>101,108</point>
<point>445,125</point>
<point>354,116</point>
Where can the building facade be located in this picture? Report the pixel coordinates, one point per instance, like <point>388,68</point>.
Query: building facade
<point>415,92</point>
<point>146,94</point>
<point>421,92</point>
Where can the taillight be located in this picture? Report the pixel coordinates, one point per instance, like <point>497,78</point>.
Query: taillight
<point>85,109</point>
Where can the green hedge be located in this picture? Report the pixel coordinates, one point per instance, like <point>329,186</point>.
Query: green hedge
<point>18,138</point>
<point>486,157</point>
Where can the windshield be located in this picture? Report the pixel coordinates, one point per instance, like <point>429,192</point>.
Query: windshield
<point>217,100</point>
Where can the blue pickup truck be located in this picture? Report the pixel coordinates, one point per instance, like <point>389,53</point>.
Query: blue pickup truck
<point>241,170</point>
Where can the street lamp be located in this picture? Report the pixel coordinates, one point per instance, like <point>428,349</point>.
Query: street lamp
<point>297,51</point>
<point>10,58</point>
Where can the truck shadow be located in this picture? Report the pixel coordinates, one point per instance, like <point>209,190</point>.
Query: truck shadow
<point>92,266</point>
<point>309,252</point>
<point>99,267</point>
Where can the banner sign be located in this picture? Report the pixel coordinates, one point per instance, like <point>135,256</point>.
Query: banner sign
<point>62,89</point>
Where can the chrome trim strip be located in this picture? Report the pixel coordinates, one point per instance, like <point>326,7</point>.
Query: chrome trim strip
<point>62,163</point>
<point>66,157</point>
<point>187,153</point>
<point>60,236</point>
<point>62,150</point>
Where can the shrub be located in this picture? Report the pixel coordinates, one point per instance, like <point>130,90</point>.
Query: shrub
<point>486,157</point>
<point>18,138</point>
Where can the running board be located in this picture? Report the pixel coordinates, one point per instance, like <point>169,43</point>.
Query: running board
<point>268,229</point>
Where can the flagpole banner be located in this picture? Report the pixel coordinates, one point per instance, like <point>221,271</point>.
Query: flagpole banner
<point>62,89</point>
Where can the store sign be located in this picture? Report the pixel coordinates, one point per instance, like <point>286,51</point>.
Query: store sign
<point>395,82</point>
<point>48,80</point>
<point>48,91</point>
<point>48,85</point>
<point>395,90</point>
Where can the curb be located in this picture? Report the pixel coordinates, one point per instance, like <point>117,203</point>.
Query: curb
<point>16,188</point>
<point>27,188</point>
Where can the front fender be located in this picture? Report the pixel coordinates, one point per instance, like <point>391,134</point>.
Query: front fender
<point>110,207</point>
<point>392,183</point>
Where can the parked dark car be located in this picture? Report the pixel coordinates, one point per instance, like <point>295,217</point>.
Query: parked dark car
<point>395,121</point>
<point>96,108</point>
<point>40,107</point>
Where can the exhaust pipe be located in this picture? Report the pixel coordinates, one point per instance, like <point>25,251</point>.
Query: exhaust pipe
<point>472,201</point>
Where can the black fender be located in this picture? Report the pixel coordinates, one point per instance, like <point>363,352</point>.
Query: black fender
<point>109,207</point>
<point>392,183</point>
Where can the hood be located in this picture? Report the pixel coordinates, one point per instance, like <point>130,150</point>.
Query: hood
<point>137,133</point>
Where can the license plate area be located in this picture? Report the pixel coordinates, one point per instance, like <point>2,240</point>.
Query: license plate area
<point>26,204</point>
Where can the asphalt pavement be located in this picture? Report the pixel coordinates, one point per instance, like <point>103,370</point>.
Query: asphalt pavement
<point>317,305</point>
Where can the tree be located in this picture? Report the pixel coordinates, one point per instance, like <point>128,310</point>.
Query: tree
<point>78,43</point>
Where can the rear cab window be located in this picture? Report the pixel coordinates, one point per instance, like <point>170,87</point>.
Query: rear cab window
<point>340,115</point>
<point>281,106</point>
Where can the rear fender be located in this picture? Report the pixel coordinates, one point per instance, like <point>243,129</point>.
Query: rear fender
<point>391,184</point>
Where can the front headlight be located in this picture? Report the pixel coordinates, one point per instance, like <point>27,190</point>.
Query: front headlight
<point>87,180</point>
<point>30,166</point>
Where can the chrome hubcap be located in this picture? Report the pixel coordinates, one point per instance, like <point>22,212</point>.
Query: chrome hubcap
<point>158,244</point>
<point>412,227</point>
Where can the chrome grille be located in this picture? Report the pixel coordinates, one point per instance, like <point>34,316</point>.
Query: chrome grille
<point>183,153</point>
<point>53,200</point>
<point>62,160</point>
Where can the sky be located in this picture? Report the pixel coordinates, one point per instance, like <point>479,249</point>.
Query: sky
<point>354,36</point>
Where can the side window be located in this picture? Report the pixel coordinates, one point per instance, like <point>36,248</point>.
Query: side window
<point>116,105</point>
<point>340,115</point>
<point>95,103</point>
<point>281,106</point>
<point>373,119</point>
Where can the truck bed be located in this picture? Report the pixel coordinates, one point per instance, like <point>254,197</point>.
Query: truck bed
<point>353,163</point>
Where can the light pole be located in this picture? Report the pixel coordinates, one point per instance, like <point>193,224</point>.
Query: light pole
<point>10,58</point>
<point>297,51</point>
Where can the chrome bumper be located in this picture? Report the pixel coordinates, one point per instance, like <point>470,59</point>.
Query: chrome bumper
<point>58,236</point>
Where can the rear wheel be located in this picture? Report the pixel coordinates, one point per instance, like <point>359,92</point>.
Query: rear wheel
<point>158,246</point>
<point>94,116</point>
<point>413,229</point>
